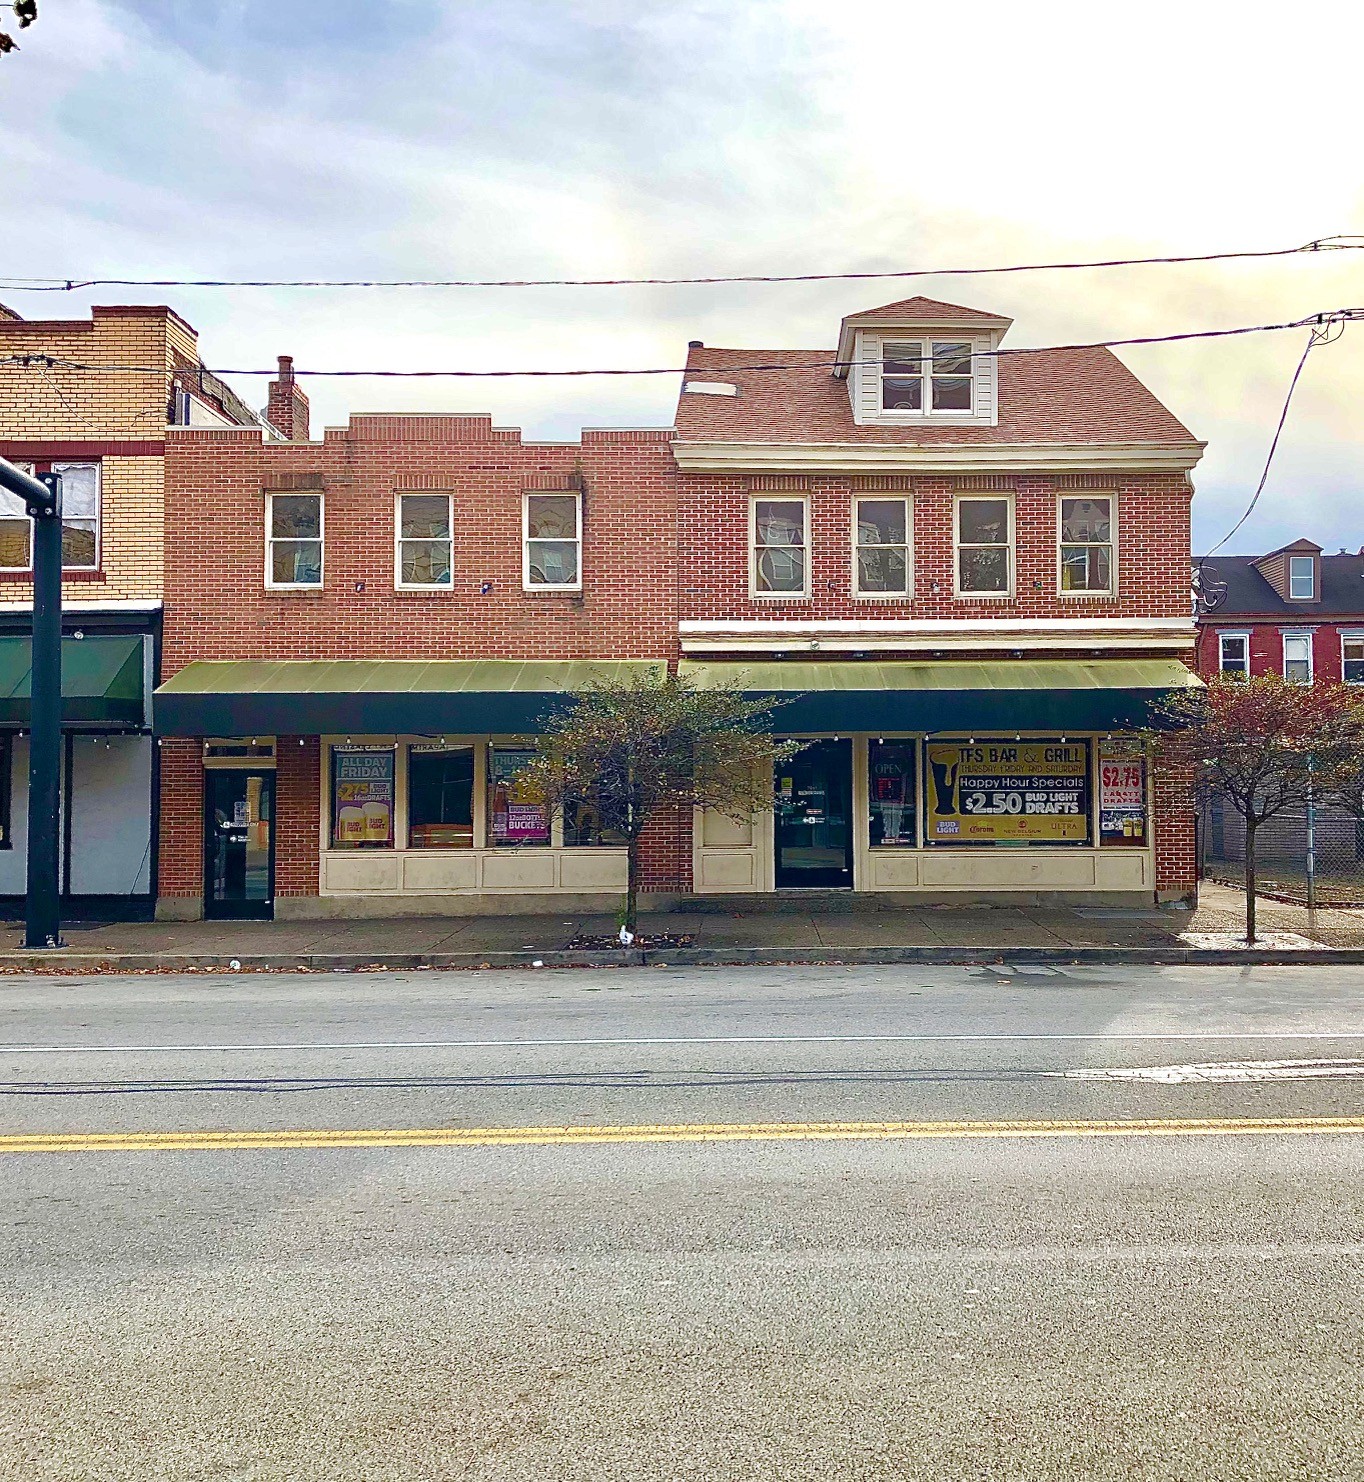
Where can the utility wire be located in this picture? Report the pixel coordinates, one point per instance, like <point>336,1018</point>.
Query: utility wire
<point>1318,322</point>
<point>1338,243</point>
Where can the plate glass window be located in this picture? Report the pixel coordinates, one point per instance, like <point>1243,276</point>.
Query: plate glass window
<point>891,769</point>
<point>1087,544</point>
<point>883,536</point>
<point>425,542</point>
<point>80,515</point>
<point>553,541</point>
<point>294,540</point>
<point>952,391</point>
<point>1234,654</point>
<point>902,378</point>
<point>440,797</point>
<point>1352,660</point>
<point>1297,658</point>
<point>362,797</point>
<point>516,816</point>
<point>779,548</point>
<point>1302,578</point>
<point>983,555</point>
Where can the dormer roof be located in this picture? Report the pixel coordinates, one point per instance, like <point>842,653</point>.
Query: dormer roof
<point>914,314</point>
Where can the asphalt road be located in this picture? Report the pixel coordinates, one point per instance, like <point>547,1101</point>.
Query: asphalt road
<point>1162,1280</point>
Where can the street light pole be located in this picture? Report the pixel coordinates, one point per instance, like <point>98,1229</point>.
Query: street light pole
<point>42,498</point>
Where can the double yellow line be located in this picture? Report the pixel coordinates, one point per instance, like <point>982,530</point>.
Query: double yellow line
<point>500,1137</point>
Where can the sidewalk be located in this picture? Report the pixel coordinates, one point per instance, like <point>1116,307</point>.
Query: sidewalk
<point>883,931</point>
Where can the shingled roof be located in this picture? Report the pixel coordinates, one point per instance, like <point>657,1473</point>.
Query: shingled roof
<point>1247,594</point>
<point>1045,397</point>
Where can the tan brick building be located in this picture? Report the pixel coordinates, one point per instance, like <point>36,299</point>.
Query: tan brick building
<point>92,399</point>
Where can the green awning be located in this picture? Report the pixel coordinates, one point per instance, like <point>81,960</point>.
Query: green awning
<point>102,681</point>
<point>949,694</point>
<point>320,697</point>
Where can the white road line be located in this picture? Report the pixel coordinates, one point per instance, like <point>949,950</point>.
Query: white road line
<point>725,1039</point>
<point>1224,1072</point>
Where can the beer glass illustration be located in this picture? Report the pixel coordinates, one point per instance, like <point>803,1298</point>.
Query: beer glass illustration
<point>944,785</point>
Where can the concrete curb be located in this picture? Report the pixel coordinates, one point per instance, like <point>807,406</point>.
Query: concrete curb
<point>70,964</point>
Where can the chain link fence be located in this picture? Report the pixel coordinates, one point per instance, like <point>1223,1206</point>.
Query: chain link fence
<point>1332,837</point>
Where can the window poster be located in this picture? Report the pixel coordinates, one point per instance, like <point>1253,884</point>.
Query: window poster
<point>1007,792</point>
<point>1122,795</point>
<point>362,797</point>
<point>515,816</point>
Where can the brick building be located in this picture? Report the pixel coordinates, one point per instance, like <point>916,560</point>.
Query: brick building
<point>963,572</point>
<point>1295,612</point>
<point>91,399</point>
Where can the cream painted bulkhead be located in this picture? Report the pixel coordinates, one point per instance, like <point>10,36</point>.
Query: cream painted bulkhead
<point>737,858</point>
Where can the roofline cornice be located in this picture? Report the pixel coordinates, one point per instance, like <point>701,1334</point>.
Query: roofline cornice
<point>695,456</point>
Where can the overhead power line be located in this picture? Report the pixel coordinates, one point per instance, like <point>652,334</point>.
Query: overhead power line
<point>1321,321</point>
<point>1341,242</point>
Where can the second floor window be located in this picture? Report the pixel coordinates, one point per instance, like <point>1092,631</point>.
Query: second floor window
<point>1297,658</point>
<point>984,548</point>
<point>293,540</point>
<point>1233,654</point>
<point>1302,578</point>
<point>1352,660</point>
<point>80,520</point>
<point>1087,544</point>
<point>881,533</point>
<point>425,542</point>
<point>552,545</point>
<point>778,554</point>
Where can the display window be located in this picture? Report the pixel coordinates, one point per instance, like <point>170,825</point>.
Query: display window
<point>362,797</point>
<point>891,770</point>
<point>1007,792</point>
<point>440,797</point>
<point>516,817</point>
<point>1123,821</point>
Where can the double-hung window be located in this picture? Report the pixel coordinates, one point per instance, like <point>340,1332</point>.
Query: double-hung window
<point>293,541</point>
<point>882,541</point>
<point>80,520</point>
<point>1352,658</point>
<point>1302,578</point>
<point>1297,658</point>
<point>984,547</point>
<point>1087,544</point>
<point>927,375</point>
<point>1233,655</point>
<point>424,555</point>
<point>552,540</point>
<point>778,551</point>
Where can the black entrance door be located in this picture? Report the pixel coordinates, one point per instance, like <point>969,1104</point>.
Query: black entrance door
<point>239,844</point>
<point>814,816</point>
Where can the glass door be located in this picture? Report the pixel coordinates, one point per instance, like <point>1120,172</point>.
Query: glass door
<point>239,844</point>
<point>814,817</point>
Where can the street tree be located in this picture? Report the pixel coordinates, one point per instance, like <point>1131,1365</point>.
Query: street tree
<point>1261,745</point>
<point>25,12</point>
<point>627,751</point>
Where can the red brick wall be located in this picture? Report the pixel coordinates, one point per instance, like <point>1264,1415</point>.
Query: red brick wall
<point>298,809</point>
<point>1266,643</point>
<point>1173,823</point>
<point>1152,544</point>
<point>181,856</point>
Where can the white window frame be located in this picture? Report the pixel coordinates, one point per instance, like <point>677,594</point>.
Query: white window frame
<point>1222,635</point>
<point>1351,635</point>
<point>776,497</point>
<point>857,547</point>
<point>927,346</point>
<point>58,465</point>
<point>270,539</point>
<point>421,586</point>
<point>1285,635</point>
<point>1311,579</point>
<point>1111,590</point>
<point>23,467</point>
<point>527,584</point>
<point>957,501</point>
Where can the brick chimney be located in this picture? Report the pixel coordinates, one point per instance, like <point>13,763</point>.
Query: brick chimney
<point>287,410</point>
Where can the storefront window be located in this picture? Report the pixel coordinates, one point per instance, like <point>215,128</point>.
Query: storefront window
<point>515,817</point>
<point>362,797</point>
<point>1007,792</point>
<point>890,793</point>
<point>440,797</point>
<point>583,826</point>
<point>1122,796</point>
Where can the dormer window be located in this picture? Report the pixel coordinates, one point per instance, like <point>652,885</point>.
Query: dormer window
<point>945,364</point>
<point>1302,578</point>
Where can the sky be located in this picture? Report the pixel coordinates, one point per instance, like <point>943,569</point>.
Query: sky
<point>641,138</point>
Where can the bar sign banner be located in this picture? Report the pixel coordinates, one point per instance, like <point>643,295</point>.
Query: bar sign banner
<point>1022,792</point>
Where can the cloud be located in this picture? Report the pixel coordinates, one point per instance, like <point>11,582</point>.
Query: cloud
<point>605,138</point>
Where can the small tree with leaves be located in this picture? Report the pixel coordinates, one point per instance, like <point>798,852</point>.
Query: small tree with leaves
<point>25,12</point>
<point>628,750</point>
<point>1260,745</point>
